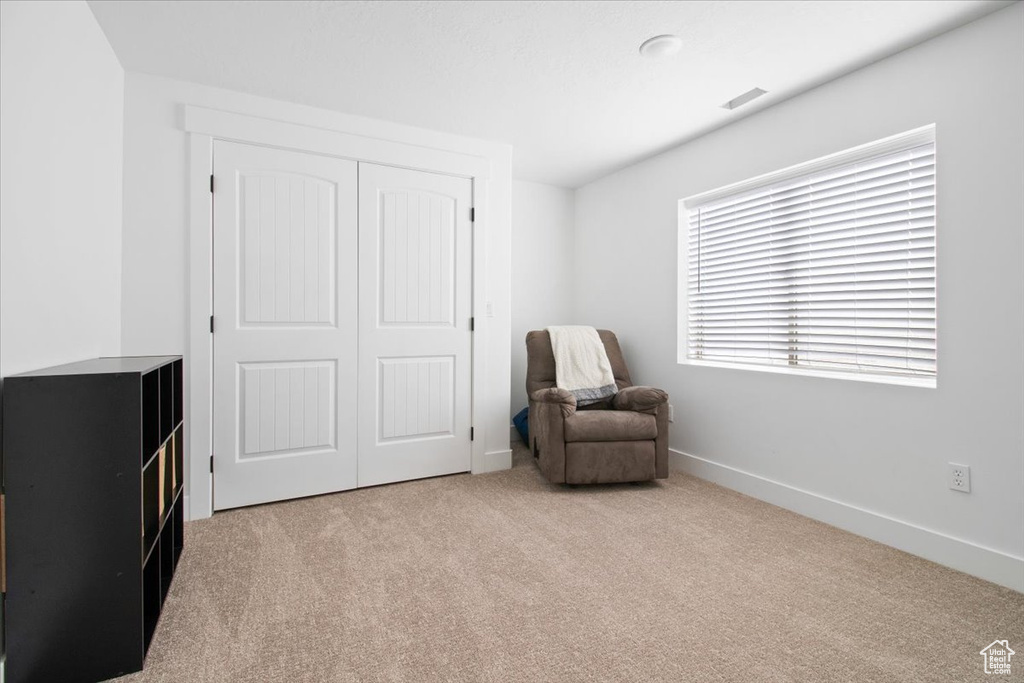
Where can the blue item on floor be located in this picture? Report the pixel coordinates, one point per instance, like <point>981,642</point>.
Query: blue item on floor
<point>522,423</point>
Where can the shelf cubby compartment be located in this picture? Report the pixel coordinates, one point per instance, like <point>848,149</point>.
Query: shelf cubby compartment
<point>151,495</point>
<point>166,557</point>
<point>179,458</point>
<point>152,596</point>
<point>150,414</point>
<point>179,529</point>
<point>167,484</point>
<point>166,401</point>
<point>178,405</point>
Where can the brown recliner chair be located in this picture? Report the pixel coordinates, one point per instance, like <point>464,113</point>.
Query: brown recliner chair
<point>622,439</point>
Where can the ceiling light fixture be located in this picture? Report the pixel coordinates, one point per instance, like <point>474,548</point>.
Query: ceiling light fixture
<point>661,46</point>
<point>744,98</point>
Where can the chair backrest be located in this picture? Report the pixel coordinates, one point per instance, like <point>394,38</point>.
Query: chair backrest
<point>540,362</point>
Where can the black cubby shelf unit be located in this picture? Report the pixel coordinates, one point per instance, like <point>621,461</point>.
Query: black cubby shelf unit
<point>94,520</point>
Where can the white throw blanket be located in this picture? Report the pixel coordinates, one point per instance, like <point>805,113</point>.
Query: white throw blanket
<point>581,363</point>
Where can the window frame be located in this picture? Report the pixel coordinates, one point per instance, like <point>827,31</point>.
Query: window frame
<point>918,136</point>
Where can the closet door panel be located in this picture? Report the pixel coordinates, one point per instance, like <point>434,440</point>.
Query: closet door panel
<point>415,342</point>
<point>285,306</point>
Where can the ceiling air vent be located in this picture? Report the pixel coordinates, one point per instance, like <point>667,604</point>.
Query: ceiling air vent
<point>744,98</point>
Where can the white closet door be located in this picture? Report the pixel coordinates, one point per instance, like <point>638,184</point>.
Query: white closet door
<point>285,304</point>
<point>415,265</point>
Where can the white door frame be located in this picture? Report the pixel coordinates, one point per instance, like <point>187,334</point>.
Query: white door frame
<point>203,126</point>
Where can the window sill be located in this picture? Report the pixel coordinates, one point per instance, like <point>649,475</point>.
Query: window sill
<point>921,382</point>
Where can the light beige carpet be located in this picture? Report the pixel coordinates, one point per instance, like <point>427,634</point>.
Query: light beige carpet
<point>502,577</point>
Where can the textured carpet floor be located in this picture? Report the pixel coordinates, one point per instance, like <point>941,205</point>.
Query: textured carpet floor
<point>502,577</point>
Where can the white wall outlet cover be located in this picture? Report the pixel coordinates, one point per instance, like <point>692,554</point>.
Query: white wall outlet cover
<point>959,477</point>
<point>671,413</point>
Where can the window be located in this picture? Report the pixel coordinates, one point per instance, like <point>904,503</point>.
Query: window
<point>825,267</point>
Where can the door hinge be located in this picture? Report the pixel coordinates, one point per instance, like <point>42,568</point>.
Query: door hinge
<point>3,543</point>
<point>211,183</point>
<point>211,464</point>
<point>470,433</point>
<point>472,215</point>
<point>211,324</point>
<point>472,324</point>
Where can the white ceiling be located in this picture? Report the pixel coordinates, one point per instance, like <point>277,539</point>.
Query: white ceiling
<point>561,81</point>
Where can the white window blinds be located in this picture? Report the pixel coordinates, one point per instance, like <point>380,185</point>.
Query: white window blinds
<point>832,269</point>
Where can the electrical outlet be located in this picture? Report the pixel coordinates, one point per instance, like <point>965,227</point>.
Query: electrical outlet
<point>959,477</point>
<point>671,413</point>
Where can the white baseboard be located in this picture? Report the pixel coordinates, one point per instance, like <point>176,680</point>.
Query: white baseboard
<point>991,565</point>
<point>493,461</point>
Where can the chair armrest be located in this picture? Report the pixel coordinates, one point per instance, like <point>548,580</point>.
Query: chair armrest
<point>640,399</point>
<point>561,397</point>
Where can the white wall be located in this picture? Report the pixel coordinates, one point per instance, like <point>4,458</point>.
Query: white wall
<point>61,115</point>
<point>867,456</point>
<point>156,212</point>
<point>543,219</point>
